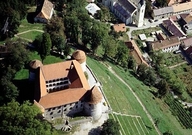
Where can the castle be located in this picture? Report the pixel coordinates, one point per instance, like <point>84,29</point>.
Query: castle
<point>128,11</point>
<point>62,89</point>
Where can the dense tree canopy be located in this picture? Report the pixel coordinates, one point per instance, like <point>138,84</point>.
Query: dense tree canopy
<point>12,11</point>
<point>110,127</point>
<point>24,119</point>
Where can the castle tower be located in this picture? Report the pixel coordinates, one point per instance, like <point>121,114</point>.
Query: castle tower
<point>80,56</point>
<point>34,64</point>
<point>139,20</point>
<point>93,106</point>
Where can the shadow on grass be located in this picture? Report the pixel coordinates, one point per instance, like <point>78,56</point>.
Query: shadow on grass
<point>26,90</point>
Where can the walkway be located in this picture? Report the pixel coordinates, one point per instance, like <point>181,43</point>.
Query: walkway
<point>144,109</point>
<point>184,62</point>
<point>17,35</point>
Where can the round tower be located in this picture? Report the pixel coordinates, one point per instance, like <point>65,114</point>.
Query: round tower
<point>94,106</point>
<point>33,65</point>
<point>80,56</point>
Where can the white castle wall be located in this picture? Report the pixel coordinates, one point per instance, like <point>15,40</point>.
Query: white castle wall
<point>83,66</point>
<point>93,110</point>
<point>60,111</point>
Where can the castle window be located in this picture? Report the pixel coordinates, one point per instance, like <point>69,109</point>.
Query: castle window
<point>65,110</point>
<point>59,111</point>
<point>51,113</point>
<point>53,108</point>
<point>70,108</point>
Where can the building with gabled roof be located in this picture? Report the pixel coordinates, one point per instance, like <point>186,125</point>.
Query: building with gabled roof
<point>168,45</point>
<point>44,11</point>
<point>128,11</point>
<point>173,28</point>
<point>63,90</point>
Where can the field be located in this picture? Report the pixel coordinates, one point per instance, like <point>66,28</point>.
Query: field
<point>126,109</point>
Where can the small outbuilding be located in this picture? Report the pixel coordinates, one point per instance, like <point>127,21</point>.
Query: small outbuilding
<point>142,36</point>
<point>92,8</point>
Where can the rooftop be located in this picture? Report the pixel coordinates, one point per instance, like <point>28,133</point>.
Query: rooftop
<point>127,5</point>
<point>135,52</point>
<point>77,87</point>
<point>119,27</point>
<point>187,42</point>
<point>92,8</point>
<point>172,41</point>
<point>182,6</point>
<point>173,28</point>
<point>46,10</point>
<point>79,56</point>
<point>161,11</point>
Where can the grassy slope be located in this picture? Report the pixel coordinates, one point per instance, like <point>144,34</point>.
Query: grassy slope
<point>119,96</point>
<point>157,108</point>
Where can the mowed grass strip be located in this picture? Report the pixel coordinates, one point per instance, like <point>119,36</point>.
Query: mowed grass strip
<point>119,96</point>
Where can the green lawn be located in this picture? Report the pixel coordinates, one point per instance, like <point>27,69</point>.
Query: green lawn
<point>31,35</point>
<point>29,26</point>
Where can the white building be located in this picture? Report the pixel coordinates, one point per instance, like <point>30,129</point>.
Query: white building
<point>129,11</point>
<point>92,8</point>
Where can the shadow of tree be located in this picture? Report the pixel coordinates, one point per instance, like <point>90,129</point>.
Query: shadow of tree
<point>30,17</point>
<point>95,131</point>
<point>26,90</point>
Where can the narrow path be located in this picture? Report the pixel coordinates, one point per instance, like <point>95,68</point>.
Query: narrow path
<point>17,35</point>
<point>184,62</point>
<point>144,109</point>
<point>29,31</point>
<point>135,116</point>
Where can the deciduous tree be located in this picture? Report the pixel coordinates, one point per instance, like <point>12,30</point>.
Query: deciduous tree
<point>110,127</point>
<point>16,119</point>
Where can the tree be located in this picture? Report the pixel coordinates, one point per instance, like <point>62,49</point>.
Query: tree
<point>8,91</point>
<point>163,87</point>
<point>109,47</point>
<point>110,127</point>
<point>131,63</point>
<point>161,3</point>
<point>122,54</point>
<point>45,46</point>
<point>59,42</point>
<point>98,35</point>
<point>16,119</point>
<point>12,12</point>
<point>19,54</point>
<point>168,133</point>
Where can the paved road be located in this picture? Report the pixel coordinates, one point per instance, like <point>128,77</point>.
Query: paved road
<point>144,109</point>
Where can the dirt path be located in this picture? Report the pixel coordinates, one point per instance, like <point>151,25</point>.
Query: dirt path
<point>144,109</point>
<point>29,31</point>
<point>178,64</point>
